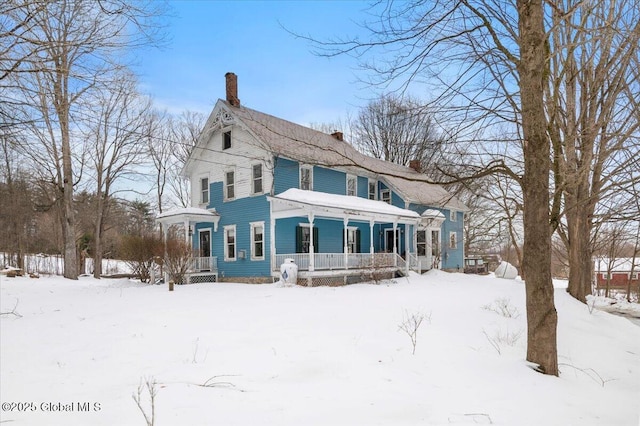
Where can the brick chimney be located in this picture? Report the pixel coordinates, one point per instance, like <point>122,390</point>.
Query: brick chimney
<point>232,89</point>
<point>415,165</point>
<point>338,135</point>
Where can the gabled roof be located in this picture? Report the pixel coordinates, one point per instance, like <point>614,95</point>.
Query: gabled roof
<point>300,143</point>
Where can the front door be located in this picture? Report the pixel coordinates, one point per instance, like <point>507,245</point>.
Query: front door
<point>205,250</point>
<point>390,241</point>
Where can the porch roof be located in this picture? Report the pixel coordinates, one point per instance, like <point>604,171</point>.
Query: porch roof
<point>188,215</point>
<point>298,202</point>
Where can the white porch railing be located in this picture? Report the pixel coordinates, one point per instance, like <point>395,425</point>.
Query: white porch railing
<point>199,264</point>
<point>338,261</point>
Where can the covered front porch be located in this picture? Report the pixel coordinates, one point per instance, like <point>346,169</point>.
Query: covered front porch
<point>338,236</point>
<point>200,266</point>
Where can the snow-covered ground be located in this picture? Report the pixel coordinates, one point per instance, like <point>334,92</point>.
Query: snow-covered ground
<point>238,354</point>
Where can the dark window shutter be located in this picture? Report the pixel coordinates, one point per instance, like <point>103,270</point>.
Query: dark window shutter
<point>358,241</point>
<point>316,247</point>
<point>298,239</point>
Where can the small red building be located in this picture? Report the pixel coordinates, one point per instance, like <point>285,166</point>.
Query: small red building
<point>616,273</point>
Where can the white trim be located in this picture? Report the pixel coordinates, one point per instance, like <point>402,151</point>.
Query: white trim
<point>252,227</point>
<point>310,169</point>
<point>226,244</point>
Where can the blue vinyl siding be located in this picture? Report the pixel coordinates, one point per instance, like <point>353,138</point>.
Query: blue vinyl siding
<point>286,174</point>
<point>330,235</point>
<point>329,181</point>
<point>451,258</point>
<point>239,212</point>
<point>363,187</point>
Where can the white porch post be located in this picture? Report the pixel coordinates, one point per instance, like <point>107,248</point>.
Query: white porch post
<point>186,233</point>
<point>312,250</point>
<point>395,244</point>
<point>272,241</point>
<point>429,248</point>
<point>407,257</point>
<point>346,243</point>
<point>371,223</point>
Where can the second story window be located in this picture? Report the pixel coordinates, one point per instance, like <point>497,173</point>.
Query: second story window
<point>373,186</point>
<point>385,195</point>
<point>352,185</point>
<point>204,190</point>
<point>256,177</point>
<point>226,140</point>
<point>229,185</point>
<point>453,216</point>
<point>306,177</point>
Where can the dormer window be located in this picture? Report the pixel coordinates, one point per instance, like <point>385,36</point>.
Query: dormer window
<point>306,177</point>
<point>226,140</point>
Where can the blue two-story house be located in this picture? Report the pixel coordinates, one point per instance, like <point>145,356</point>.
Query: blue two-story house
<point>265,189</point>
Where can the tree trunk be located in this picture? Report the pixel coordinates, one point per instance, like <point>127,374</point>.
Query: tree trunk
<point>580,253</point>
<point>541,313</point>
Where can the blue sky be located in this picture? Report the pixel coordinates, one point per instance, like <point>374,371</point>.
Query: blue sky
<point>277,73</point>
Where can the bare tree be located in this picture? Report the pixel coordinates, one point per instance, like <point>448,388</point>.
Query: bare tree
<point>398,130</point>
<point>185,130</point>
<point>500,54</point>
<point>592,99</point>
<point>76,43</point>
<point>116,147</point>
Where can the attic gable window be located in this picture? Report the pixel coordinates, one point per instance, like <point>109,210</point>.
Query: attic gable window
<point>306,177</point>
<point>453,216</point>
<point>226,140</point>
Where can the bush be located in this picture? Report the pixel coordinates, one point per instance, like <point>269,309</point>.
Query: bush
<point>140,253</point>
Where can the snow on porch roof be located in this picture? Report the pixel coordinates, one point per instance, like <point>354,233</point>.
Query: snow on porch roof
<point>341,205</point>
<point>191,214</point>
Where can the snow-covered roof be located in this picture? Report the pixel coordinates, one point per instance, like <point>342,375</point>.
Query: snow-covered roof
<point>188,214</point>
<point>619,264</point>
<point>433,213</point>
<point>304,144</point>
<point>295,200</point>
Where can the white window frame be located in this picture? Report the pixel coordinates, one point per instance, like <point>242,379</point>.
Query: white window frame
<point>634,276</point>
<point>310,170</point>
<point>354,179</point>
<point>375,189</point>
<point>226,184</point>
<point>253,226</point>
<point>254,179</point>
<point>453,215</point>
<point>227,230</point>
<point>384,192</point>
<point>453,234</point>
<point>204,191</point>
